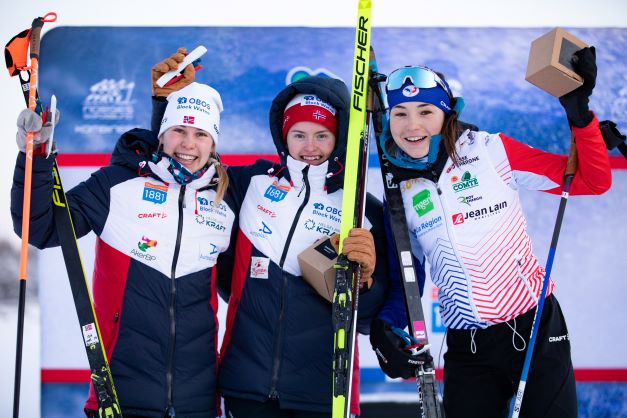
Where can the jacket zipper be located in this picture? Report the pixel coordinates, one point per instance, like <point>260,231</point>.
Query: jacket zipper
<point>170,412</point>
<point>453,247</point>
<point>279,339</point>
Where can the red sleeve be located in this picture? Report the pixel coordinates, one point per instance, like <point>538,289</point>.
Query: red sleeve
<point>593,175</point>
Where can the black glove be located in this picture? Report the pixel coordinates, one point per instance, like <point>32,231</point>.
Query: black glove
<point>394,348</point>
<point>576,102</point>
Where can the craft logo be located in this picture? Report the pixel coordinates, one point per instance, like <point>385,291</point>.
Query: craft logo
<point>155,193</point>
<point>109,99</point>
<point>559,338</point>
<point>328,212</point>
<point>410,91</point>
<point>467,200</point>
<point>153,215</point>
<point>259,267</point>
<point>481,213</point>
<point>276,192</point>
<point>422,202</point>
<point>267,211</point>
<point>144,245</point>
<point>209,222</point>
<point>467,181</point>
<point>189,119</point>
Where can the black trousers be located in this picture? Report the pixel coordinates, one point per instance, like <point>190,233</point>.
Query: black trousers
<point>244,408</point>
<point>482,369</point>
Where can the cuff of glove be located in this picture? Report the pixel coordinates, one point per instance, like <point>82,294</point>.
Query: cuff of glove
<point>582,121</point>
<point>588,129</point>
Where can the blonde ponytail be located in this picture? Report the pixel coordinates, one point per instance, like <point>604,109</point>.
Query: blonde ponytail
<point>223,178</point>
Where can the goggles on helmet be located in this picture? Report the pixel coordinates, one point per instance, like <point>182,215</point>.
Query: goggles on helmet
<point>421,77</point>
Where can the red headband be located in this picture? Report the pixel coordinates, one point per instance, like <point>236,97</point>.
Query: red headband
<point>309,108</point>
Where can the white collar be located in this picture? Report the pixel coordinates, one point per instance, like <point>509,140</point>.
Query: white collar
<point>316,175</point>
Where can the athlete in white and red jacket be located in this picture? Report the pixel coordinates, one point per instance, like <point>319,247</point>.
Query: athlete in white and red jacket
<point>161,217</point>
<point>461,201</point>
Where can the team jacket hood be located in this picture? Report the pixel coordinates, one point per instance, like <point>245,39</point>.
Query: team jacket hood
<point>334,92</point>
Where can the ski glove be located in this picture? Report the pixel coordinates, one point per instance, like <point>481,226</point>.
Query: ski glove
<point>576,102</point>
<point>29,121</point>
<point>169,64</point>
<point>359,247</point>
<point>394,348</point>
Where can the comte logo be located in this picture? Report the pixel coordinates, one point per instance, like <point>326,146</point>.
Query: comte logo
<point>468,181</point>
<point>458,218</point>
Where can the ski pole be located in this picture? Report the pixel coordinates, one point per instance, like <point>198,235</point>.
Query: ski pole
<point>571,167</point>
<point>35,33</point>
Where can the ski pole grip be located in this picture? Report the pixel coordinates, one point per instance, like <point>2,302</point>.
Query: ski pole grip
<point>571,165</point>
<point>35,37</point>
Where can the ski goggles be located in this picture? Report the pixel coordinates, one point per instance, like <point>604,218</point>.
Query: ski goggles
<point>420,84</point>
<point>421,77</point>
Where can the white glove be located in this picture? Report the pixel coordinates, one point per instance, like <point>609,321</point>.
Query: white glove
<point>29,121</point>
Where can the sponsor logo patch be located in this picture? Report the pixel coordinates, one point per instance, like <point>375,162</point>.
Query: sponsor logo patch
<point>427,226</point>
<point>422,202</point>
<point>276,192</point>
<point>467,200</point>
<point>155,193</point>
<point>467,181</point>
<point>481,213</point>
<point>259,267</point>
<point>152,215</point>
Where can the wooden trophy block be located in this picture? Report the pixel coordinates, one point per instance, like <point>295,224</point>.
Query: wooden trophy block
<point>549,65</point>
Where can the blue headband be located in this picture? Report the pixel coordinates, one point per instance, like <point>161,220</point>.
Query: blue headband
<point>410,93</point>
<point>418,84</point>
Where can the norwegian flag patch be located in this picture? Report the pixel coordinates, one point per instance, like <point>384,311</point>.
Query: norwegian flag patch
<point>189,119</point>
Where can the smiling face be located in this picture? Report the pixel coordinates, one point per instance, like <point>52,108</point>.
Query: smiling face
<point>190,146</point>
<point>412,124</point>
<point>310,142</point>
